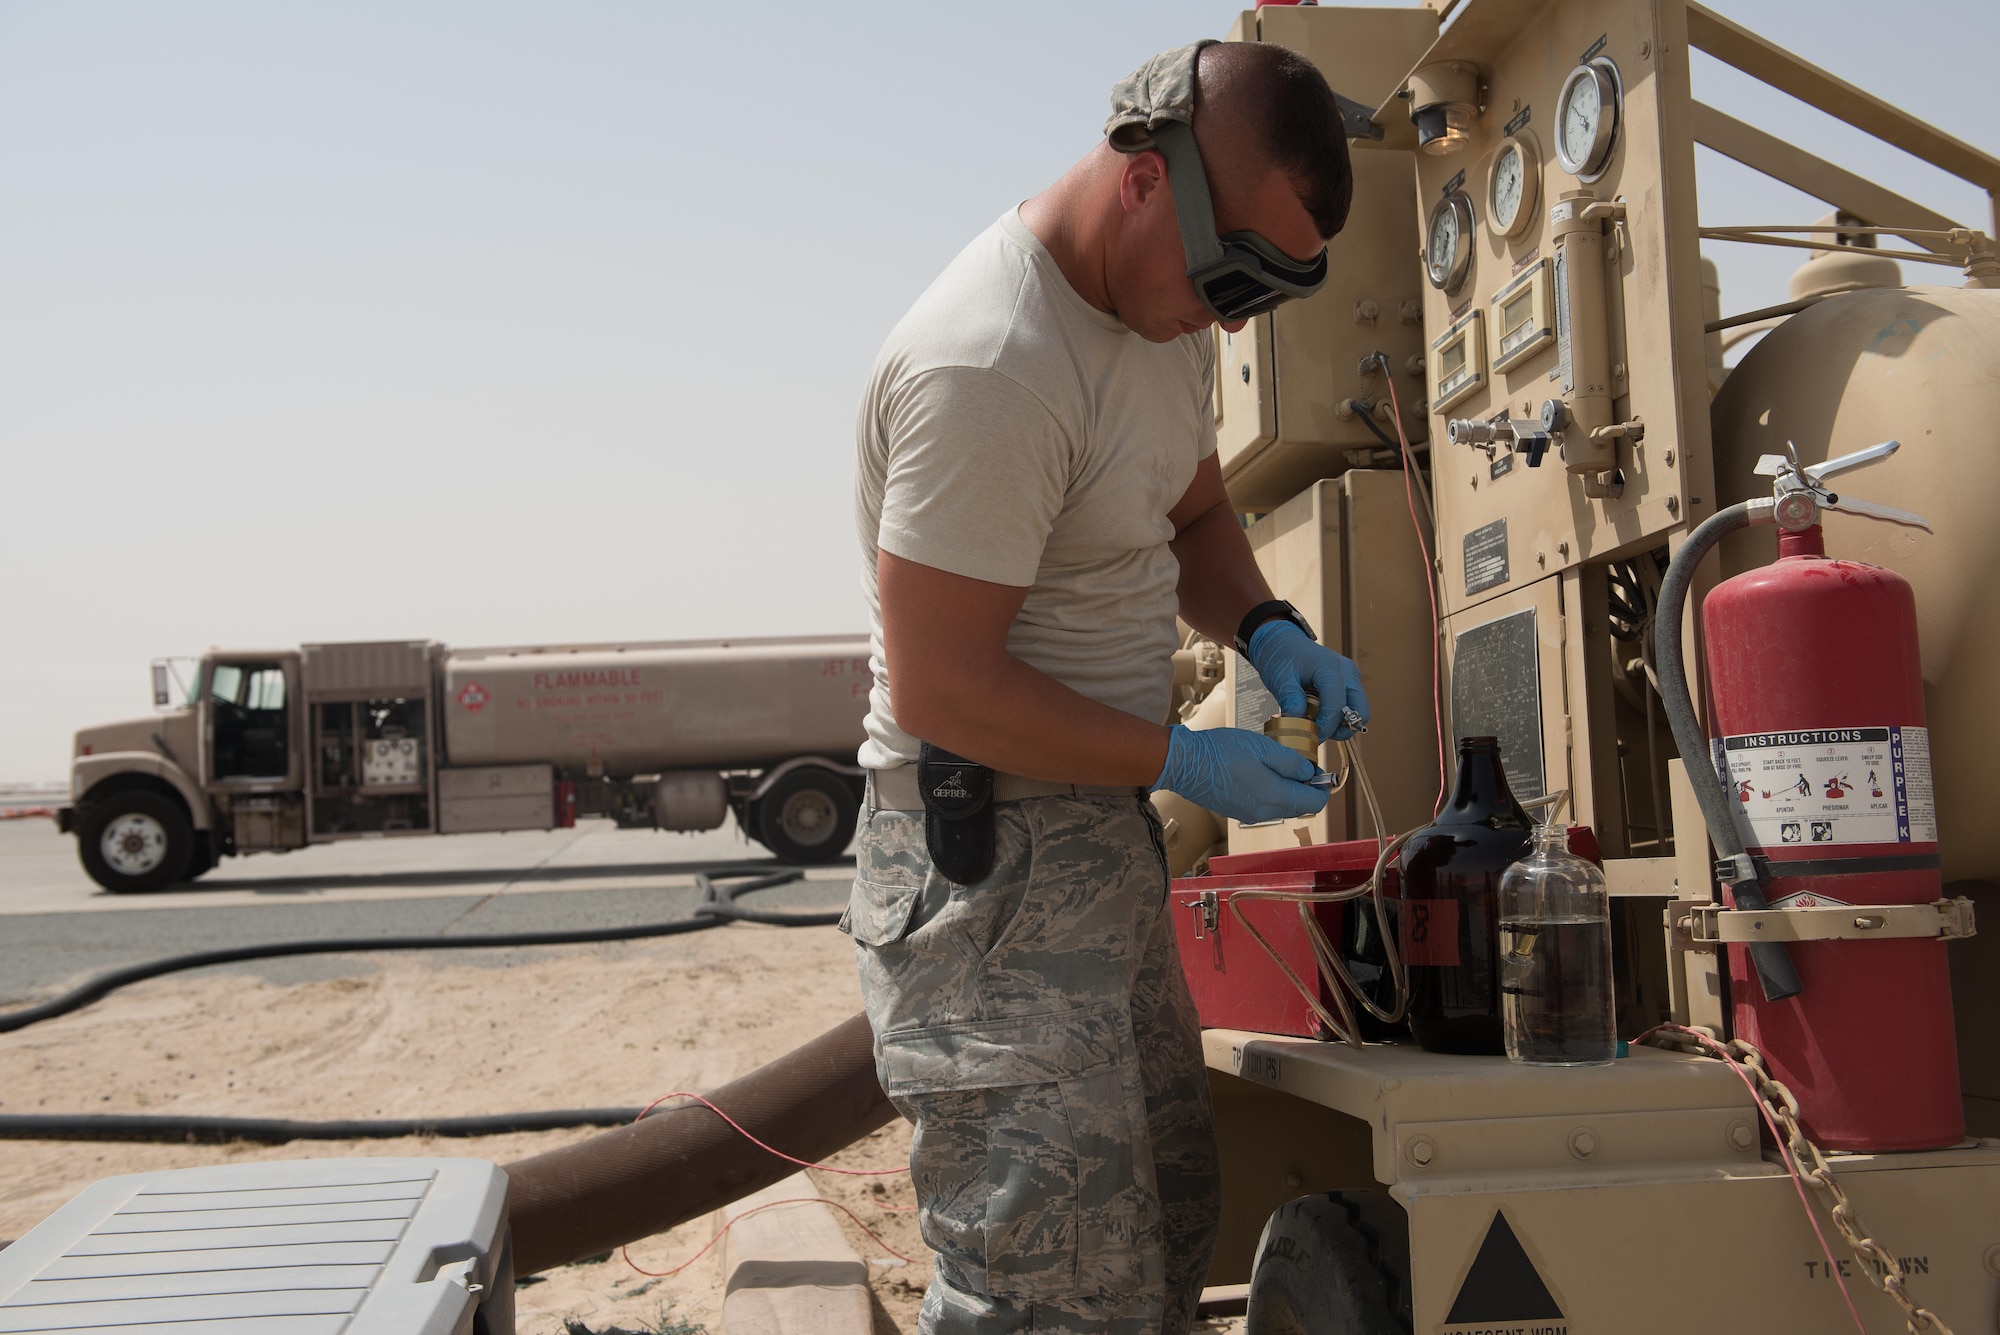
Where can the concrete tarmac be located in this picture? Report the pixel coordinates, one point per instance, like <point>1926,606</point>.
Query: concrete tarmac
<point>58,928</point>
<point>39,871</point>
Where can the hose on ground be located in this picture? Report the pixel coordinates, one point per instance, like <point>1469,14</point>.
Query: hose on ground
<point>165,1129</point>
<point>647,1176</point>
<point>1775,972</point>
<point>717,907</point>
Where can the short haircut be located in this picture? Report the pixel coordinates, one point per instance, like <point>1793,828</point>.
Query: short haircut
<point>1281,114</point>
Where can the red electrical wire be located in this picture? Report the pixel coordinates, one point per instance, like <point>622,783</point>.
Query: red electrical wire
<point>803,1163</point>
<point>626,1252</point>
<point>1784,1150</point>
<point>1430,570</point>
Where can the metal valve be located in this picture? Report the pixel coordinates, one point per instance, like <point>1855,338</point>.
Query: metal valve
<point>1472,431</point>
<point>1519,436</point>
<point>1798,494</point>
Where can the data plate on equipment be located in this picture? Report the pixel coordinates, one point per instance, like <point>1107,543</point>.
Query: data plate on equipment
<point>1496,691</point>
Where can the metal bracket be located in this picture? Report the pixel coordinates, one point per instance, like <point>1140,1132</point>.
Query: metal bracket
<point>1736,870</point>
<point>1357,120</point>
<point>1706,926</point>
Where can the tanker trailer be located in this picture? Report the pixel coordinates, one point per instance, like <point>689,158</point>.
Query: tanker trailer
<point>1920,365</point>
<point>677,735</point>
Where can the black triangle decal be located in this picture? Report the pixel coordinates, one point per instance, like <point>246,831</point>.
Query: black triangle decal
<point>1503,1284</point>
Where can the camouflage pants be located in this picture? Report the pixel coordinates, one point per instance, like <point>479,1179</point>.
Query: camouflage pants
<point>1037,1031</point>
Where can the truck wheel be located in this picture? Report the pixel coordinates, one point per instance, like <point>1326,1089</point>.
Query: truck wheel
<point>135,841</point>
<point>807,816</point>
<point>1333,1264</point>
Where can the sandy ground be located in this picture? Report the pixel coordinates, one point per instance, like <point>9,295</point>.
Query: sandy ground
<point>440,1035</point>
<point>462,1034</point>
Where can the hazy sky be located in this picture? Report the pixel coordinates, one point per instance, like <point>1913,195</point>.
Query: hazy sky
<point>506,322</point>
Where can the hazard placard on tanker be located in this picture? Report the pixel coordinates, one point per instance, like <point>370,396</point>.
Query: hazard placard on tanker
<point>1831,786</point>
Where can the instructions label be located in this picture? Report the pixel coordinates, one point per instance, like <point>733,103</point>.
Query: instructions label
<point>1830,786</point>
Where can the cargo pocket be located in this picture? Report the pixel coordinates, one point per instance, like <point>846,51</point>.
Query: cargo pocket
<point>879,915</point>
<point>891,868</point>
<point>1033,1171</point>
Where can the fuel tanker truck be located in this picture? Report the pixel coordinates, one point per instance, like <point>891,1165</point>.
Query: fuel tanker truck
<point>272,750</point>
<point>1735,628</point>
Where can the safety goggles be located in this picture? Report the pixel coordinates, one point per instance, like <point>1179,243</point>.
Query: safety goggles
<point>1239,275</point>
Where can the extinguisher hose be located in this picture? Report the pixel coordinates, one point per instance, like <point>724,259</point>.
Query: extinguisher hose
<point>1773,962</point>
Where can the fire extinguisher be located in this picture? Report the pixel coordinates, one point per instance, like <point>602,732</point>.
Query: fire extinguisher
<point>1819,797</point>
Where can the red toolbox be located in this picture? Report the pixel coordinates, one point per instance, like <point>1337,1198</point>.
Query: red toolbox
<point>1235,983</point>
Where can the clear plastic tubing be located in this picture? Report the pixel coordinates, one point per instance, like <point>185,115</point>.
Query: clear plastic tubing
<point>1555,956</point>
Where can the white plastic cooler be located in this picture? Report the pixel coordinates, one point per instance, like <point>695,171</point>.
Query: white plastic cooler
<point>301,1247</point>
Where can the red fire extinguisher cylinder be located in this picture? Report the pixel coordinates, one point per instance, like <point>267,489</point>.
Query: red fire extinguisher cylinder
<point>1816,708</point>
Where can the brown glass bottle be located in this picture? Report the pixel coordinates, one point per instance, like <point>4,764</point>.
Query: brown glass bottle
<point>1449,916</point>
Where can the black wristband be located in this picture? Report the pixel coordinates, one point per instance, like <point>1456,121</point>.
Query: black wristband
<point>1275,610</point>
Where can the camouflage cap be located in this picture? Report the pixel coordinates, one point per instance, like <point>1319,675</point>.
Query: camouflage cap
<point>1158,93</point>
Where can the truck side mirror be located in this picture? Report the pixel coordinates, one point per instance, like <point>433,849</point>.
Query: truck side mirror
<point>162,696</point>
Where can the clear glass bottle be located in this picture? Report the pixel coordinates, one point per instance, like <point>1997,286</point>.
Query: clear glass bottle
<point>1556,1004</point>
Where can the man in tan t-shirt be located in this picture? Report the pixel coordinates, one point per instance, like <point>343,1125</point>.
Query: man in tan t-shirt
<point>1038,498</point>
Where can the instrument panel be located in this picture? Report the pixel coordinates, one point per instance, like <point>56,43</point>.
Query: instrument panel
<point>1563,285</point>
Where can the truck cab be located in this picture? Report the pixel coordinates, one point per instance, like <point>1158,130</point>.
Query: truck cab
<point>157,800</point>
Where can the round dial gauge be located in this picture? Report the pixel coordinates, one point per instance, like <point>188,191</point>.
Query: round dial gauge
<point>1448,242</point>
<point>1587,119</point>
<point>1513,185</point>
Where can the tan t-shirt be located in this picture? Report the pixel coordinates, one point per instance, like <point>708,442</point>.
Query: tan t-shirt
<point>1013,433</point>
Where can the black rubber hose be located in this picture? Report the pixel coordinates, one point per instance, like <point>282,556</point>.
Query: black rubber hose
<point>1367,417</point>
<point>1775,971</point>
<point>716,907</point>
<point>165,1129</point>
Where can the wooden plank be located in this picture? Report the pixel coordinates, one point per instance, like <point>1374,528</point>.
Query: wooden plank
<point>790,1269</point>
<point>1817,177</point>
<point>1736,45</point>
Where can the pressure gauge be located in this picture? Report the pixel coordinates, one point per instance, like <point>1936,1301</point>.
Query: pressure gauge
<point>1448,242</point>
<point>1587,118</point>
<point>1513,185</point>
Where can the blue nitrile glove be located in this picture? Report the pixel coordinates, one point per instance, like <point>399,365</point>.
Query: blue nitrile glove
<point>1291,662</point>
<point>1241,774</point>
